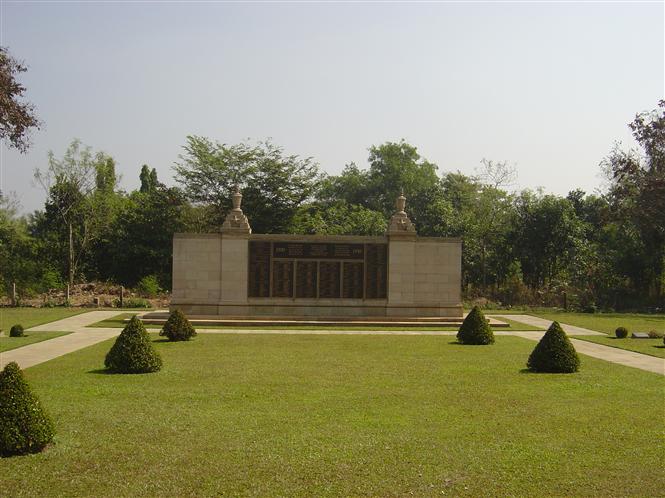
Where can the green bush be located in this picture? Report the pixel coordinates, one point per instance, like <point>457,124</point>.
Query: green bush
<point>621,332</point>
<point>475,329</point>
<point>16,330</point>
<point>133,351</point>
<point>177,327</point>
<point>148,286</point>
<point>131,302</point>
<point>554,353</point>
<point>24,425</point>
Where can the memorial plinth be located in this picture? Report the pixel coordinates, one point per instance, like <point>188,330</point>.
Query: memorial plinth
<point>239,274</point>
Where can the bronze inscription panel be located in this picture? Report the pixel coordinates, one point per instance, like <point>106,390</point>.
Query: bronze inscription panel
<point>259,269</point>
<point>317,270</point>
<point>329,286</point>
<point>352,286</point>
<point>376,276</point>
<point>282,279</point>
<point>306,279</point>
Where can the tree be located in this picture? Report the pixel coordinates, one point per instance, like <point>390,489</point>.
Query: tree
<point>481,215</point>
<point>337,218</point>
<point>76,185</point>
<point>106,179</point>
<point>554,353</point>
<point>148,179</point>
<point>139,240</point>
<point>19,258</point>
<point>16,117</point>
<point>394,167</point>
<point>273,184</point>
<point>25,426</point>
<point>545,234</point>
<point>637,192</point>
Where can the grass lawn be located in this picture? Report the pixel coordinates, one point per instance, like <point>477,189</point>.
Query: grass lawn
<point>343,416</point>
<point>7,343</point>
<point>653,347</point>
<point>119,321</point>
<point>608,322</point>
<point>29,317</point>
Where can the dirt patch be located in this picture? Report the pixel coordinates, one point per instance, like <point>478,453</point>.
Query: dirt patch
<point>89,295</point>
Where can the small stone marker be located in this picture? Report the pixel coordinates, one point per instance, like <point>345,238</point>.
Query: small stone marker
<point>640,335</point>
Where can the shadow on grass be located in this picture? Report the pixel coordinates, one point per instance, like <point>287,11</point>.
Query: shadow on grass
<point>660,347</point>
<point>101,371</point>
<point>105,371</point>
<point>527,371</point>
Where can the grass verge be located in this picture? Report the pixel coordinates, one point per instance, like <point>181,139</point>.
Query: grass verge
<point>342,416</point>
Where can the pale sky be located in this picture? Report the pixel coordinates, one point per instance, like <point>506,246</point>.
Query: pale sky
<point>547,86</point>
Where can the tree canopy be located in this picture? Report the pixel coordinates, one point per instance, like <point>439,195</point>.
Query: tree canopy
<point>17,117</point>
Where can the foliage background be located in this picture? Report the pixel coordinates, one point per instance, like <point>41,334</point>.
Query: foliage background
<point>584,251</point>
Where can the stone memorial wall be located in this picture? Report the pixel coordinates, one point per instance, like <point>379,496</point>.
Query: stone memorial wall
<point>237,273</point>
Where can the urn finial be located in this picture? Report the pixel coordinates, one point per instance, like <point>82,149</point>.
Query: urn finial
<point>236,198</point>
<point>401,202</point>
<point>400,224</point>
<point>236,222</point>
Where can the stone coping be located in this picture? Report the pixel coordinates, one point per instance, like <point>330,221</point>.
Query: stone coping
<point>358,239</point>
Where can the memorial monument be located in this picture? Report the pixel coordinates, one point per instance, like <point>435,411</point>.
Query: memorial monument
<point>236,273</point>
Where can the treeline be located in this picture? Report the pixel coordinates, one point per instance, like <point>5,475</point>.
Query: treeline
<point>591,250</point>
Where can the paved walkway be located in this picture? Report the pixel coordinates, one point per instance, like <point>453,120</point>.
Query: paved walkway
<point>83,336</point>
<point>543,323</point>
<point>76,322</point>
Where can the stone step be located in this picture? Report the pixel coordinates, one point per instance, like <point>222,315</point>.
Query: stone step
<point>159,318</point>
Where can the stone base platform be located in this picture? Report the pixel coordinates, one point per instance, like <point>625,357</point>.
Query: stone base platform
<point>160,317</point>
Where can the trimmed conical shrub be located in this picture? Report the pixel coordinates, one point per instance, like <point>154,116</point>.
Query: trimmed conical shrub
<point>475,329</point>
<point>16,330</point>
<point>24,425</point>
<point>133,352</point>
<point>554,353</point>
<point>177,327</point>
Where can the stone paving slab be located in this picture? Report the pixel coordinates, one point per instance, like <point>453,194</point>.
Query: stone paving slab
<point>543,323</point>
<point>608,353</point>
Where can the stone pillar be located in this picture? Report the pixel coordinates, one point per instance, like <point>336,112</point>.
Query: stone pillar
<point>401,260</point>
<point>234,257</point>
